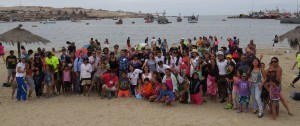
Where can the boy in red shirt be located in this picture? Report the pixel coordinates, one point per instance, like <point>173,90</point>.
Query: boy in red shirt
<point>147,89</point>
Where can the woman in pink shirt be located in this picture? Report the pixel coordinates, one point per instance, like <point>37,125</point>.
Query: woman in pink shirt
<point>216,43</point>
<point>2,52</point>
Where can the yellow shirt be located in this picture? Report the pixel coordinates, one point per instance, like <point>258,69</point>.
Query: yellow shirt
<point>52,61</point>
<point>200,43</point>
<point>298,60</point>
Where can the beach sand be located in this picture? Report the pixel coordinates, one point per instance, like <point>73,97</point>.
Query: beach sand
<point>90,111</point>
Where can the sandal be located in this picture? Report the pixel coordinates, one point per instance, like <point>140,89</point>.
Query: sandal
<point>292,85</point>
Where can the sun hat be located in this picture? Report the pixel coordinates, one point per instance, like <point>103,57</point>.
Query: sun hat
<point>194,51</point>
<point>229,56</point>
<point>220,53</point>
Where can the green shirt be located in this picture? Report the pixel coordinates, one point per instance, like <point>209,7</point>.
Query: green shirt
<point>53,61</point>
<point>11,62</point>
<point>298,60</point>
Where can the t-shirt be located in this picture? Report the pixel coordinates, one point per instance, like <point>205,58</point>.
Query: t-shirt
<point>244,88</point>
<point>1,49</point>
<point>11,62</point>
<point>53,61</point>
<point>274,92</point>
<point>86,70</point>
<point>22,67</point>
<point>124,83</point>
<point>134,76</point>
<point>109,80</point>
<point>298,60</point>
<point>222,67</point>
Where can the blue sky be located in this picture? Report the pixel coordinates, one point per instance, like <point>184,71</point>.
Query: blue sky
<point>172,7</point>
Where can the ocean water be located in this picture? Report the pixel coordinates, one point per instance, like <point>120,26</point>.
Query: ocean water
<point>261,31</point>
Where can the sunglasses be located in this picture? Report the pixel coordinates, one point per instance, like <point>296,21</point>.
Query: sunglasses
<point>274,61</point>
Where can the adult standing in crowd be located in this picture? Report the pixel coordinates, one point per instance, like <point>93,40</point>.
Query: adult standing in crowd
<point>20,73</point>
<point>2,52</point>
<point>222,84</point>
<point>77,68</point>
<point>11,62</point>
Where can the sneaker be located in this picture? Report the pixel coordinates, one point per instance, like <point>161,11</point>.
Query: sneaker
<point>260,115</point>
<point>228,106</point>
<point>292,85</point>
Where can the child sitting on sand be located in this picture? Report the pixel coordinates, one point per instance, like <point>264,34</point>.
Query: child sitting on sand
<point>274,92</point>
<point>166,95</point>
<point>157,87</point>
<point>124,85</point>
<point>244,92</point>
<point>147,89</point>
<point>184,91</point>
<point>138,89</point>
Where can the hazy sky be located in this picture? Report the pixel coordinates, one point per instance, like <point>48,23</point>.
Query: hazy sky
<point>172,7</point>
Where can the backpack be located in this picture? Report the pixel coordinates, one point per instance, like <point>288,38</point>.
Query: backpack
<point>295,96</point>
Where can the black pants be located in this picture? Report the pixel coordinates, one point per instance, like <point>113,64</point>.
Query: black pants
<point>297,78</point>
<point>204,86</point>
<point>222,87</point>
<point>132,89</point>
<point>38,90</point>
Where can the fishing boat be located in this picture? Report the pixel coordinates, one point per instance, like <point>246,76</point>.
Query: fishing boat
<point>193,19</point>
<point>163,19</point>
<point>179,19</point>
<point>48,22</point>
<point>120,21</point>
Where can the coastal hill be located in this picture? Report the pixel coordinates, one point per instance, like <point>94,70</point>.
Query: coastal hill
<point>35,13</point>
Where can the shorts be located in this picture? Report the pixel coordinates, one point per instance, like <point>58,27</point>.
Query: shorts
<point>244,100</point>
<point>86,82</point>
<point>124,93</point>
<point>67,84</point>
<point>30,82</point>
<point>48,82</point>
<point>108,88</point>
<point>11,72</point>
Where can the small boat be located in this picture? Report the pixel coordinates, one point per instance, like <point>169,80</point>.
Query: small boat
<point>87,23</point>
<point>133,22</point>
<point>74,20</point>
<point>48,22</point>
<point>115,18</point>
<point>193,19</point>
<point>149,19</point>
<point>34,25</point>
<point>224,20</point>
<point>179,19</point>
<point>120,21</point>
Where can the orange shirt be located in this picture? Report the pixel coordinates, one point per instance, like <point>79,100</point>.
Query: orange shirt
<point>147,88</point>
<point>200,43</point>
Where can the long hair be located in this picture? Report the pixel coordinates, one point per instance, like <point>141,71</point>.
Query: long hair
<point>252,67</point>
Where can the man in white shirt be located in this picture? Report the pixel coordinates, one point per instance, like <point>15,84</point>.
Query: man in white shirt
<point>86,75</point>
<point>159,57</point>
<point>222,83</point>
<point>153,42</point>
<point>20,73</point>
<point>161,69</point>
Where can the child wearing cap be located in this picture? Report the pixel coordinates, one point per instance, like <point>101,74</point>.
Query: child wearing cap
<point>244,92</point>
<point>85,75</point>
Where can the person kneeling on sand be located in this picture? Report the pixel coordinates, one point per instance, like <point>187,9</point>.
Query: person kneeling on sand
<point>110,81</point>
<point>166,95</point>
<point>124,86</point>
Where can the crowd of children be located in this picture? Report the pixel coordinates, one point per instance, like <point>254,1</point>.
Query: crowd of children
<point>184,73</point>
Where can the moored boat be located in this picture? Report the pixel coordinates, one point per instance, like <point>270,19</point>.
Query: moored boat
<point>179,19</point>
<point>48,22</point>
<point>120,21</point>
<point>193,19</point>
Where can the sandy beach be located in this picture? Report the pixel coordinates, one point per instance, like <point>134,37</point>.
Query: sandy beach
<point>90,111</point>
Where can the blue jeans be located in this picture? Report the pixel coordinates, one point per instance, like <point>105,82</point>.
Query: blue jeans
<point>77,86</point>
<point>22,89</point>
<point>256,97</point>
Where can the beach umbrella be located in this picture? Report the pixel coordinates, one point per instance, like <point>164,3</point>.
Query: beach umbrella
<point>293,37</point>
<point>84,50</point>
<point>19,35</point>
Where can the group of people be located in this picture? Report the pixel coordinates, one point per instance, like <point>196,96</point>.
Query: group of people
<point>190,72</point>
